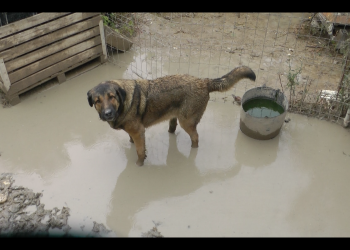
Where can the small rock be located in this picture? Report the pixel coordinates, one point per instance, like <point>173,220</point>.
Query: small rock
<point>14,208</point>
<point>3,197</point>
<point>287,120</point>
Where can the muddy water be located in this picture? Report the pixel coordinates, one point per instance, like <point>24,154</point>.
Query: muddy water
<point>293,185</point>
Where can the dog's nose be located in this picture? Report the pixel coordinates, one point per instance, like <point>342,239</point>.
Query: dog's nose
<point>108,112</point>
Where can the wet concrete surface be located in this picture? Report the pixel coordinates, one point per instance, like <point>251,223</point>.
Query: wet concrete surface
<point>293,185</point>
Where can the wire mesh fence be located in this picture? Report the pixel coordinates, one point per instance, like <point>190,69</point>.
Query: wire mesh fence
<point>306,55</point>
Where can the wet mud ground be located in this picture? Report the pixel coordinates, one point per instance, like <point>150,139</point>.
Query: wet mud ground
<point>60,155</point>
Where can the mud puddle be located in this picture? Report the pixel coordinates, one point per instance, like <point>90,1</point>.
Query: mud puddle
<point>293,185</point>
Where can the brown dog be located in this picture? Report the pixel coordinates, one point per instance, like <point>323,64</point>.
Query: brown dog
<point>133,105</point>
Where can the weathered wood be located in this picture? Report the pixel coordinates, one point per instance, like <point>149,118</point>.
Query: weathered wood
<point>61,78</point>
<point>45,40</point>
<point>103,40</point>
<point>51,49</point>
<point>50,71</point>
<point>116,40</point>
<point>29,22</point>
<point>13,100</point>
<point>43,29</point>
<point>4,75</point>
<point>55,58</point>
<point>65,71</point>
<point>103,58</point>
<point>2,87</point>
<point>1,82</point>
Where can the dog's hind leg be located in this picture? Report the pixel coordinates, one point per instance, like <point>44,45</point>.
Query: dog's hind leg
<point>191,128</point>
<point>172,125</point>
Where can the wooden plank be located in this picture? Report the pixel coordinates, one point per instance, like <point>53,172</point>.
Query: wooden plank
<point>55,58</point>
<point>48,39</point>
<point>2,87</point>
<point>43,29</point>
<point>61,66</point>
<point>4,75</point>
<point>56,74</point>
<point>103,40</point>
<point>61,78</point>
<point>13,100</point>
<point>29,22</point>
<point>51,49</point>
<point>103,58</point>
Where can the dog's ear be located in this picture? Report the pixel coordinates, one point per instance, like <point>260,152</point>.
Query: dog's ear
<point>121,93</point>
<point>89,97</point>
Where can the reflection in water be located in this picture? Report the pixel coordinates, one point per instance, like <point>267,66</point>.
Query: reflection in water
<point>255,153</point>
<point>34,133</point>
<point>138,186</point>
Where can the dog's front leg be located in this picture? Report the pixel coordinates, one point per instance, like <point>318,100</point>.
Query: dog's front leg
<point>138,136</point>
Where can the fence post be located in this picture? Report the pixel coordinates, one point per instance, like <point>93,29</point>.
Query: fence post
<point>4,75</point>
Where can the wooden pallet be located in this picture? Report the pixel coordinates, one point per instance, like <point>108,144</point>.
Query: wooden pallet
<point>39,48</point>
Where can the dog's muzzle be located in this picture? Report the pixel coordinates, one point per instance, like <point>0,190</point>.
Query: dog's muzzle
<point>108,115</point>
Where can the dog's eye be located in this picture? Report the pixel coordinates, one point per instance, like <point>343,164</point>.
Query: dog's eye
<point>97,101</point>
<point>111,96</point>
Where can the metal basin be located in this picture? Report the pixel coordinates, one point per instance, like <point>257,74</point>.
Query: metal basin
<point>263,128</point>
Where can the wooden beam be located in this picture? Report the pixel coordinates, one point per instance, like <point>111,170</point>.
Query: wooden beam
<point>51,49</point>
<point>13,100</point>
<point>64,71</point>
<point>29,22</point>
<point>53,59</point>
<point>54,69</point>
<point>103,40</point>
<point>61,77</point>
<point>4,75</point>
<point>46,39</point>
<point>43,29</point>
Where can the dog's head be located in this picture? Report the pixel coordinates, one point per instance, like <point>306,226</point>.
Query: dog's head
<point>108,99</point>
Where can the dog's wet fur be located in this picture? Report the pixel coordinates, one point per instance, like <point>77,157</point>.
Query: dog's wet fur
<point>133,105</point>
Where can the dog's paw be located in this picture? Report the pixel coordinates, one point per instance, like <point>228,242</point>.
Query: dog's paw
<point>139,163</point>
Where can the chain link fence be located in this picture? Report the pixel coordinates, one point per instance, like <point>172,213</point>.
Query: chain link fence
<point>306,55</point>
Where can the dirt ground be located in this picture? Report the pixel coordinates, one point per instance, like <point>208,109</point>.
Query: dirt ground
<point>22,214</point>
<point>266,42</point>
<point>272,44</point>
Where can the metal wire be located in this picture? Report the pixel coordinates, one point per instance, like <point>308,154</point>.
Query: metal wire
<point>168,43</point>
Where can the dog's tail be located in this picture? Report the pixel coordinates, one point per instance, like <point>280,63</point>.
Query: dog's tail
<point>227,81</point>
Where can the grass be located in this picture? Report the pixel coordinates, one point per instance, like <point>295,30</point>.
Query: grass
<point>123,23</point>
<point>293,80</point>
